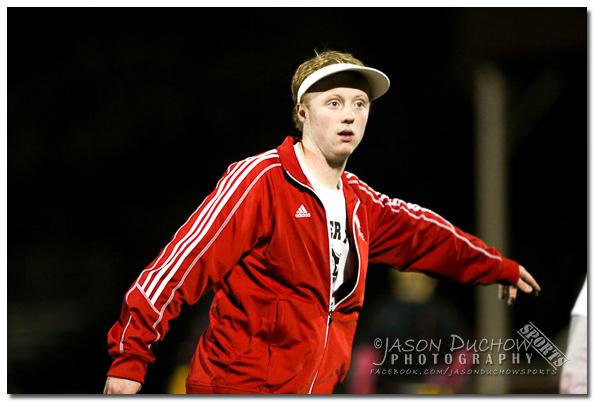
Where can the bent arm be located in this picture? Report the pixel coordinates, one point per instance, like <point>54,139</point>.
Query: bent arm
<point>208,246</point>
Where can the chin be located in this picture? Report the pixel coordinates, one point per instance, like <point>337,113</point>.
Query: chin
<point>341,156</point>
<point>348,147</point>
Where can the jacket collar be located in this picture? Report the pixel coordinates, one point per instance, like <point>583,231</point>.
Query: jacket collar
<point>292,167</point>
<point>289,160</point>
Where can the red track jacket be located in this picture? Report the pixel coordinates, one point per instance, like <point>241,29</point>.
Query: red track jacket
<point>271,330</point>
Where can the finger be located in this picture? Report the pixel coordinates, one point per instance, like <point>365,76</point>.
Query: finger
<point>528,278</point>
<point>504,289</point>
<point>502,292</point>
<point>512,292</point>
<point>524,286</point>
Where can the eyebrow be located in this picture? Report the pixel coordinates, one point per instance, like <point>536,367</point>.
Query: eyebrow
<point>362,96</point>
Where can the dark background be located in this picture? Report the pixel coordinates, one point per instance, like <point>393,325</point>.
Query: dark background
<point>121,121</point>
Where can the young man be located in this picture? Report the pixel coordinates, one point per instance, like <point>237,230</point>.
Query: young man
<point>284,241</point>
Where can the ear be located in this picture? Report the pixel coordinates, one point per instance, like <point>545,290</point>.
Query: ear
<point>302,112</point>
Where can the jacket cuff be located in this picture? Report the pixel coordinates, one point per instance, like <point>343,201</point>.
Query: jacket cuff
<point>130,367</point>
<point>509,272</point>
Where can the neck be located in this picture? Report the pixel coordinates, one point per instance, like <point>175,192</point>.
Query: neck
<point>325,171</point>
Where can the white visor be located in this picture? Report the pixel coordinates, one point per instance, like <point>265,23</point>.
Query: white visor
<point>377,80</point>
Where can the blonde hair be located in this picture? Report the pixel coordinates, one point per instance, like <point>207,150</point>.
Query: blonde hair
<point>326,58</point>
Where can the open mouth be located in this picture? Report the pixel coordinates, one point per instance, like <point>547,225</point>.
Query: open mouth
<point>346,134</point>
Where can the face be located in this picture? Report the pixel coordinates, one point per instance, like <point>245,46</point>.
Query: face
<point>335,120</point>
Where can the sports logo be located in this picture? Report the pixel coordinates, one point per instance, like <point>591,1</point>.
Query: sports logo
<point>543,345</point>
<point>302,212</point>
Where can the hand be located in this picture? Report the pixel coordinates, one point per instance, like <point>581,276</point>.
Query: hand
<point>115,385</point>
<point>526,284</point>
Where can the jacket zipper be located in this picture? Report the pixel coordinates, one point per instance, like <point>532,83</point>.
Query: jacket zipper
<point>353,231</point>
<point>328,325</point>
<point>330,314</point>
<point>331,307</point>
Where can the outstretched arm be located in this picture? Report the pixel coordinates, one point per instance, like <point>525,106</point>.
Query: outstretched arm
<point>526,284</point>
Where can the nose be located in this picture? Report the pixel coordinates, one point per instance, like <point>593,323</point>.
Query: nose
<point>349,116</point>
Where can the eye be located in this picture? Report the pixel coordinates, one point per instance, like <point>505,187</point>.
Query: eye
<point>334,103</point>
<point>360,104</point>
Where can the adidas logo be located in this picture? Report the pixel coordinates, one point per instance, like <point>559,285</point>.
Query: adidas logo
<point>301,212</point>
